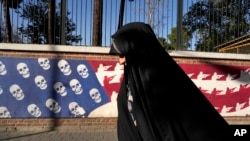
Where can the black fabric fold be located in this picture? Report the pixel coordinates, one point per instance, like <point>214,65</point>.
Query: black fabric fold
<point>167,105</point>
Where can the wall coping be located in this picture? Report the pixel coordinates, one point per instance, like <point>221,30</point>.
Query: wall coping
<point>105,50</point>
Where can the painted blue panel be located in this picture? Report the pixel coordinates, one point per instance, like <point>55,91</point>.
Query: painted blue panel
<point>30,88</point>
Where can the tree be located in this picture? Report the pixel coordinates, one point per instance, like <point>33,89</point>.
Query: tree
<point>216,22</point>
<point>185,39</point>
<point>51,21</point>
<point>152,11</point>
<point>2,32</point>
<point>164,43</point>
<point>16,37</point>
<point>97,23</point>
<point>37,30</point>
<point>7,4</point>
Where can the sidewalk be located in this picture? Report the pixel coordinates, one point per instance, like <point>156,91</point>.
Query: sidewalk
<point>70,134</point>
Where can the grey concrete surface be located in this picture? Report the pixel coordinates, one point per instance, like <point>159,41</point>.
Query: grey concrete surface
<point>68,134</point>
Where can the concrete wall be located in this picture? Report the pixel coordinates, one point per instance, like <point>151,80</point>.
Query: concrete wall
<point>223,78</point>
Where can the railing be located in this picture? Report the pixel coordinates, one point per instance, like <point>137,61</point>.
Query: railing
<point>201,25</point>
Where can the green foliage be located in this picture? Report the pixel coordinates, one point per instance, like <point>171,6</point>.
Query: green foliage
<point>35,29</point>
<point>164,43</point>
<point>216,22</point>
<point>185,38</point>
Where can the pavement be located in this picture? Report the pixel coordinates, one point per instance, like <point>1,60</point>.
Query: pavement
<point>86,133</point>
<point>66,134</point>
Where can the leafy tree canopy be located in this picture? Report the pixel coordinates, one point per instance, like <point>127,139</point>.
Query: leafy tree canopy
<point>164,43</point>
<point>185,38</point>
<point>35,28</point>
<point>217,21</point>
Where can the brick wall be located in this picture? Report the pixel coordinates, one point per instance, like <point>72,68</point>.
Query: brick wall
<point>77,123</point>
<point>51,123</point>
<point>56,124</point>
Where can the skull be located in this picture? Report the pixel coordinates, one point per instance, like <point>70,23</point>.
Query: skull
<point>75,109</point>
<point>82,70</point>
<point>34,110</point>
<point>95,95</point>
<point>41,82</point>
<point>23,69</point>
<point>3,70</point>
<point>16,92</point>
<point>76,86</point>
<point>44,63</point>
<point>4,113</point>
<point>64,67</point>
<point>53,105</point>
<point>60,88</point>
<point>1,90</point>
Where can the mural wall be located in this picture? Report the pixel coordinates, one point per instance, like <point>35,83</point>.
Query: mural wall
<point>55,87</point>
<point>42,87</point>
<point>226,87</point>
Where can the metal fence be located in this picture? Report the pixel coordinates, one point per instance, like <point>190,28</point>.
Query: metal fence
<point>201,25</point>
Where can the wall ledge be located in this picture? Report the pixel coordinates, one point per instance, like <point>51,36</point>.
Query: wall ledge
<point>211,55</point>
<point>54,48</point>
<point>105,50</point>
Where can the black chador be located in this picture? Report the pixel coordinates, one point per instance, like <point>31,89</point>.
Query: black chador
<point>157,100</point>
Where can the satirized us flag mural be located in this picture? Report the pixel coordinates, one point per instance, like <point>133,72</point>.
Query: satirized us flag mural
<point>226,87</point>
<point>42,87</point>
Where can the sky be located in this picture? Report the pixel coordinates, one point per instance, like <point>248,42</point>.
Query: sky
<point>82,11</point>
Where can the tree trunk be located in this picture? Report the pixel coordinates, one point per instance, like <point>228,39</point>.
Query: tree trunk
<point>7,21</point>
<point>51,21</point>
<point>97,23</point>
<point>63,22</point>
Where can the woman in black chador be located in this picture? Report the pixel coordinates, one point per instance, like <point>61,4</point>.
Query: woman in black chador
<point>157,100</point>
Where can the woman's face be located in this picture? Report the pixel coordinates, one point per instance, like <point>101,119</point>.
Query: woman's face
<point>122,60</point>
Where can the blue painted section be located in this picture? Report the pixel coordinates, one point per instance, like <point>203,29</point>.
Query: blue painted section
<point>12,82</point>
